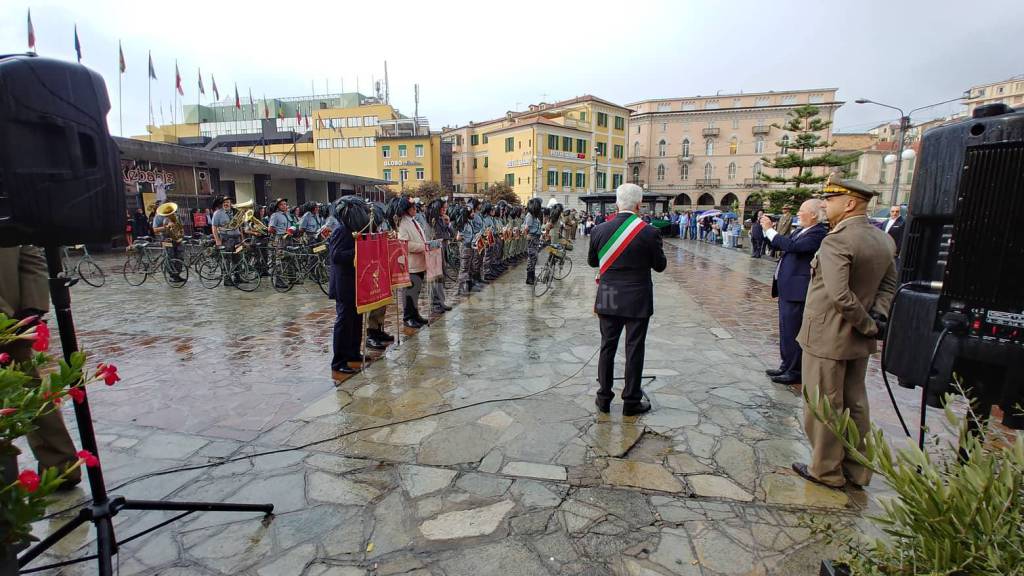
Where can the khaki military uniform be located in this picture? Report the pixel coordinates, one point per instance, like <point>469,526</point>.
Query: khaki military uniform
<point>852,274</point>
<point>24,286</point>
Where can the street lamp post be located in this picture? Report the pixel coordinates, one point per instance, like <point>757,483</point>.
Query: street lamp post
<point>904,126</point>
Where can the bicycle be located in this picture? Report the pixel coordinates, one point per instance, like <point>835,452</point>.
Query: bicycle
<point>84,268</point>
<point>195,248</point>
<point>144,260</point>
<point>451,260</point>
<point>558,266</point>
<point>234,268</point>
<point>294,264</point>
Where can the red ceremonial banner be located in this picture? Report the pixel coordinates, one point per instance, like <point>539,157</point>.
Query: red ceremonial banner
<point>398,262</point>
<point>373,278</point>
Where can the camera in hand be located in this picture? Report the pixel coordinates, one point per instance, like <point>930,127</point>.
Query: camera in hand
<point>60,181</point>
<point>964,234</point>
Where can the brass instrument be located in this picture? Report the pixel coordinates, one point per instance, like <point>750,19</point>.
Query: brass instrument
<point>173,229</point>
<point>256,226</point>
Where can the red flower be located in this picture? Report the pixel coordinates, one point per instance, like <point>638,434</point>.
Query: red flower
<point>108,372</point>
<point>77,394</point>
<point>4,358</point>
<point>42,337</point>
<point>88,458</point>
<point>29,480</point>
<point>8,411</point>
<point>56,400</point>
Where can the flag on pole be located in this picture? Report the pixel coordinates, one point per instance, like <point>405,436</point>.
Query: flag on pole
<point>177,79</point>
<point>298,116</point>
<point>199,74</point>
<point>78,45</point>
<point>152,71</point>
<point>252,105</point>
<point>307,121</point>
<point>266,109</point>
<point>216,92</point>
<point>280,113</point>
<point>238,101</point>
<point>31,32</point>
<point>120,58</point>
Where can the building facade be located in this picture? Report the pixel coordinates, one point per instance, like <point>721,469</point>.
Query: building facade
<point>562,150</point>
<point>709,151</point>
<point>1009,92</point>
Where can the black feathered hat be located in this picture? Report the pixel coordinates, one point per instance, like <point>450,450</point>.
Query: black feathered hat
<point>351,211</point>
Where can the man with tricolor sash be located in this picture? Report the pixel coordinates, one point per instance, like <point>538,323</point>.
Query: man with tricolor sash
<point>625,250</point>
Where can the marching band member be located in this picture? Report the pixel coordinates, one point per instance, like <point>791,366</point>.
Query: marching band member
<point>280,220</point>
<point>224,237</point>
<point>310,222</point>
<point>489,273</point>
<point>438,228</point>
<point>462,223</point>
<point>167,227</point>
<point>478,242</point>
<point>532,225</point>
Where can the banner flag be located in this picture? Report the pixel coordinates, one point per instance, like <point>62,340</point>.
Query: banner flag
<point>398,263</point>
<point>373,279</point>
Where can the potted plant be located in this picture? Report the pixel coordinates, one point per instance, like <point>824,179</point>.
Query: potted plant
<point>958,510</point>
<point>24,396</point>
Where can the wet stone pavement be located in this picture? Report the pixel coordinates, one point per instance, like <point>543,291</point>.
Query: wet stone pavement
<point>472,447</point>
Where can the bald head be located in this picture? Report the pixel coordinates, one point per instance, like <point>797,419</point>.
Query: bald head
<point>811,212</point>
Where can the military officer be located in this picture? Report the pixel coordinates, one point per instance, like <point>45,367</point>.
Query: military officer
<point>853,281</point>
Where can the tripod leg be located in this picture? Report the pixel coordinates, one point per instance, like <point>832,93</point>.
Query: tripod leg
<point>105,546</point>
<point>45,544</point>
<point>196,506</point>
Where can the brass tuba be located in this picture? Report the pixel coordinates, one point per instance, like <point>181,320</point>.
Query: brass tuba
<point>238,219</point>
<point>173,230</point>
<point>256,226</point>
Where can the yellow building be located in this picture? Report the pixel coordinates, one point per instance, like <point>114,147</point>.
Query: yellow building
<point>347,133</point>
<point>560,150</point>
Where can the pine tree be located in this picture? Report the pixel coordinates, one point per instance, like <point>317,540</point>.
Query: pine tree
<point>797,166</point>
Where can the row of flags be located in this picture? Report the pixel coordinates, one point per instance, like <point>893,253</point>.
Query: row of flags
<point>123,67</point>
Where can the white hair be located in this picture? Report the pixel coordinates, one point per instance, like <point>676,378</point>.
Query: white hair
<point>820,212</point>
<point>627,196</point>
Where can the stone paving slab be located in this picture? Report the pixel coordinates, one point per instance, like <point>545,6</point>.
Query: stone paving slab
<point>523,477</point>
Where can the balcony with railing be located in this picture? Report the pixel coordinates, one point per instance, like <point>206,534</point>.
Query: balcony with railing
<point>685,158</point>
<point>754,183</point>
<point>709,182</point>
<point>636,161</point>
<point>759,130</point>
<point>711,132</point>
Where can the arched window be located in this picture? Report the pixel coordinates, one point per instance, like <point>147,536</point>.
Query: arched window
<point>709,147</point>
<point>733,145</point>
<point>686,147</point>
<point>732,170</point>
<point>661,148</point>
<point>785,144</point>
<point>636,148</point>
<point>759,145</point>
<point>684,172</point>
<point>636,174</point>
<point>757,170</point>
<point>709,171</point>
<point>661,171</point>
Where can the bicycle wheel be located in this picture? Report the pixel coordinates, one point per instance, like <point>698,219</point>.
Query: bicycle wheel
<point>281,275</point>
<point>210,273</point>
<point>542,282</point>
<point>91,273</point>
<point>245,273</point>
<point>134,271</point>
<point>563,268</point>
<point>451,262</point>
<point>320,274</point>
<point>172,265</point>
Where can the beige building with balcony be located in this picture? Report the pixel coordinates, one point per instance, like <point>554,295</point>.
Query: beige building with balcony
<point>708,150</point>
<point>1009,92</point>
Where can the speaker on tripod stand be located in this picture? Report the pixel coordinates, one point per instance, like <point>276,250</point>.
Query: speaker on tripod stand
<point>60,184</point>
<point>963,256</point>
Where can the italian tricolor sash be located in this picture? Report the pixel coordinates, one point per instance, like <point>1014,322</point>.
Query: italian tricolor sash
<point>615,245</point>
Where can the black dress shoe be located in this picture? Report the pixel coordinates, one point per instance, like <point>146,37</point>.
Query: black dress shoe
<point>638,408</point>
<point>801,469</point>
<point>774,372</point>
<point>384,336</point>
<point>375,345</point>
<point>445,307</point>
<point>787,378</point>
<point>603,405</point>
<point>412,323</point>
<point>344,370</point>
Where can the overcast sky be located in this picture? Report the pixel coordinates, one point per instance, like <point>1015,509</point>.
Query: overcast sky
<point>476,60</point>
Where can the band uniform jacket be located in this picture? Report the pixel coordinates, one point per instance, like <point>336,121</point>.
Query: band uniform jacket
<point>852,274</point>
<point>23,280</point>
<point>626,289</point>
<point>341,281</point>
<point>785,225</point>
<point>896,232</point>
<point>794,271</point>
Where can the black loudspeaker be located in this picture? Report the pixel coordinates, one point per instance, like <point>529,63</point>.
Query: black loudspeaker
<point>966,231</point>
<point>60,181</point>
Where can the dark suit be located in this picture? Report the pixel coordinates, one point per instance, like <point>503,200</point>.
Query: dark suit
<point>341,287</point>
<point>896,232</point>
<point>625,299</point>
<point>790,286</point>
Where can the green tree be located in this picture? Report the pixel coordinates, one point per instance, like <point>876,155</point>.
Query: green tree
<point>428,191</point>
<point>501,191</point>
<point>797,166</point>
